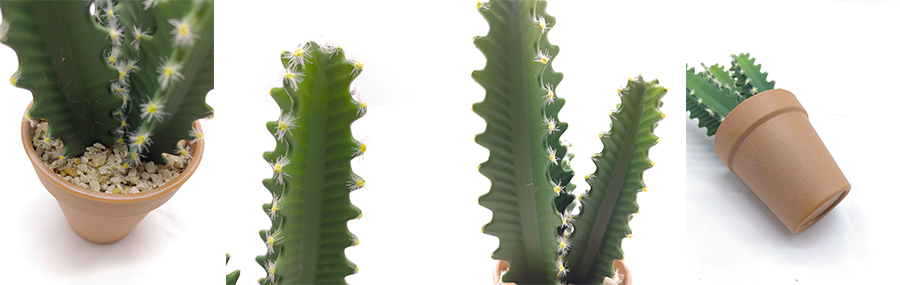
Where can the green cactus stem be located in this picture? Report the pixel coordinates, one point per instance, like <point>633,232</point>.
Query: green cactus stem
<point>135,72</point>
<point>527,161</point>
<point>60,51</point>
<point>231,278</point>
<point>606,208</point>
<point>713,93</point>
<point>312,177</point>
<point>749,78</point>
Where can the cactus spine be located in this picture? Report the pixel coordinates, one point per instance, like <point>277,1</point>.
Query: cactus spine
<point>312,178</point>
<point>135,73</point>
<point>530,195</point>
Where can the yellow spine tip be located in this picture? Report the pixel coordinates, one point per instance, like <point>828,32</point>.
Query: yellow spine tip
<point>645,190</point>
<point>663,115</point>
<point>652,163</point>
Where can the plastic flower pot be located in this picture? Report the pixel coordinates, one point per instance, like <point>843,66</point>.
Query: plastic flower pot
<point>104,217</point>
<point>768,141</point>
<point>503,266</point>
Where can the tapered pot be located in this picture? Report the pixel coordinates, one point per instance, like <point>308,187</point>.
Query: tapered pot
<point>619,265</point>
<point>104,217</point>
<point>768,141</point>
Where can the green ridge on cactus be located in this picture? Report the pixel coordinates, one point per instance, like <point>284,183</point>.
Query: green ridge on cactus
<point>313,179</point>
<point>231,278</point>
<point>611,200</point>
<point>713,93</point>
<point>518,118</point>
<point>182,99</point>
<point>60,51</point>
<point>134,72</point>
<point>749,78</point>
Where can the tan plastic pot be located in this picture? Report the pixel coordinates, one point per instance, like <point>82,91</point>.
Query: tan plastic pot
<point>768,141</point>
<point>503,266</point>
<point>104,217</point>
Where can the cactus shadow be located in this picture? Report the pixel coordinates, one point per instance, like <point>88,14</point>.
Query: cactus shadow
<point>63,252</point>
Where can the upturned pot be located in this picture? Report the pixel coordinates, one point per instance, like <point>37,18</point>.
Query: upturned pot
<point>105,217</point>
<point>769,143</point>
<point>503,266</point>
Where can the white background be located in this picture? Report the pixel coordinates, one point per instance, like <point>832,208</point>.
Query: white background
<point>838,58</point>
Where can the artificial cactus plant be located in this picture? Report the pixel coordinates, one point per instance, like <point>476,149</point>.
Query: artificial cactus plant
<point>714,92</point>
<point>132,72</point>
<point>312,177</point>
<point>531,195</point>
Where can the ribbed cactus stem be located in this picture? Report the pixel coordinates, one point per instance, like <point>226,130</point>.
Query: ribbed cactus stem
<point>714,92</point>
<point>528,166</point>
<point>312,179</point>
<point>608,205</point>
<point>176,74</point>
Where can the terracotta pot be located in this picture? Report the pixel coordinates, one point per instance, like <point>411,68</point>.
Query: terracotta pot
<point>768,141</point>
<point>104,217</point>
<point>503,266</point>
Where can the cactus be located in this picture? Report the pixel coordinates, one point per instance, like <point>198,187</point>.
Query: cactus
<point>312,178</point>
<point>713,93</point>
<point>531,194</point>
<point>135,73</point>
<point>231,278</point>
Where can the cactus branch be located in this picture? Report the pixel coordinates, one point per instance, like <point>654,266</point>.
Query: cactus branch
<point>522,196</point>
<point>312,178</point>
<point>608,205</point>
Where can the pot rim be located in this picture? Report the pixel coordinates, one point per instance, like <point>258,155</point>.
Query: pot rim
<point>747,116</point>
<point>174,184</point>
